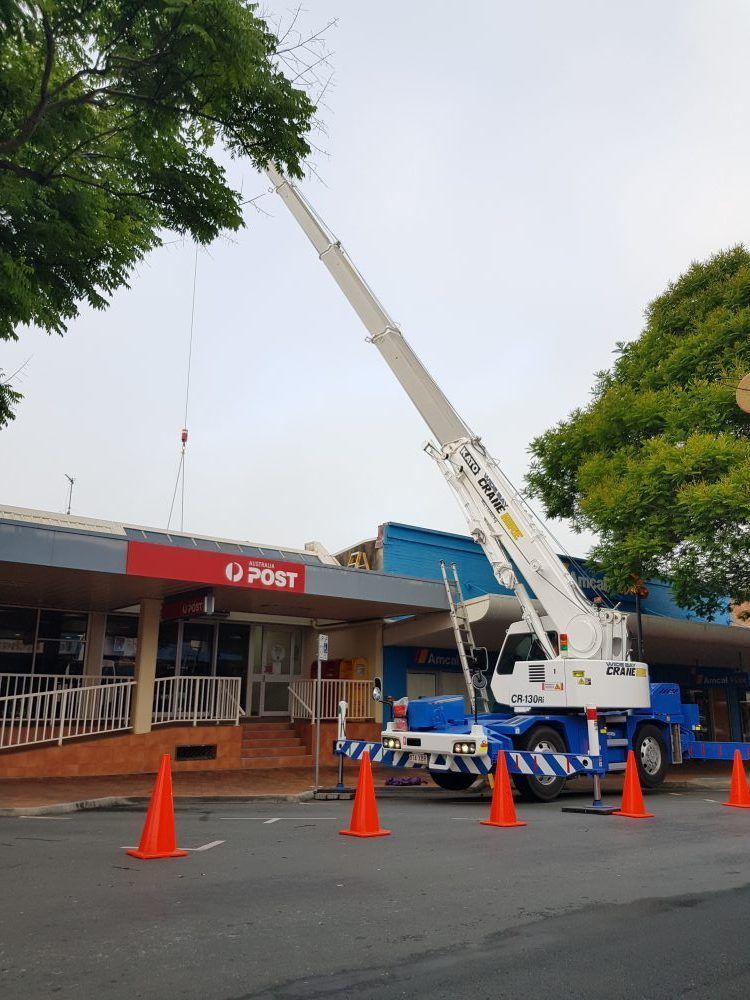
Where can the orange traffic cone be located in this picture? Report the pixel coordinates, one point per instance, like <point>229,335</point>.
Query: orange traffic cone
<point>739,794</point>
<point>632,797</point>
<point>364,821</point>
<point>502,810</point>
<point>158,837</point>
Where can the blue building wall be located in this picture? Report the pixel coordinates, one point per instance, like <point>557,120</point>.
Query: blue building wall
<point>415,551</point>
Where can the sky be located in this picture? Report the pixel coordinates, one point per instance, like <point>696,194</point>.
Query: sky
<point>515,180</point>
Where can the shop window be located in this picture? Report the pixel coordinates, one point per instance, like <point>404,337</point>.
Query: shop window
<point>17,633</point>
<point>745,714</point>
<point>61,645</point>
<point>120,646</point>
<point>166,656</point>
<point>197,649</point>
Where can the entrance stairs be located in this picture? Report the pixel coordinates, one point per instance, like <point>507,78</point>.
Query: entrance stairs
<point>268,745</point>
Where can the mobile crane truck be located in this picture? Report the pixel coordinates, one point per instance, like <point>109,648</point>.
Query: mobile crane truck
<point>568,698</point>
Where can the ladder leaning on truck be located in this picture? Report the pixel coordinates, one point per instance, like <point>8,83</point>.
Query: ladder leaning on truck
<point>570,698</point>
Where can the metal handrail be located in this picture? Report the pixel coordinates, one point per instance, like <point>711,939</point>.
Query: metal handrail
<point>308,708</point>
<point>64,713</point>
<point>357,694</point>
<point>196,699</point>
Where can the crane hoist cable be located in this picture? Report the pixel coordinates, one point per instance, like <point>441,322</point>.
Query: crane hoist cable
<point>184,432</point>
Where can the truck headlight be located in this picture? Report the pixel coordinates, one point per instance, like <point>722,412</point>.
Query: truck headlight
<point>465,747</point>
<point>391,743</point>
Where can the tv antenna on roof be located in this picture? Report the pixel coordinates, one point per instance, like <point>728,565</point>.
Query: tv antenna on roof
<point>71,480</point>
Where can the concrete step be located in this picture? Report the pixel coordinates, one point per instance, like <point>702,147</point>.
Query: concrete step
<point>253,752</point>
<point>261,728</point>
<point>268,763</point>
<point>281,741</point>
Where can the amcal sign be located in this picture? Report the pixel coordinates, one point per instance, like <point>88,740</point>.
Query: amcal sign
<point>172,563</point>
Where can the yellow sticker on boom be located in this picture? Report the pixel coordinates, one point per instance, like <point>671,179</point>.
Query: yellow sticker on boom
<point>511,525</point>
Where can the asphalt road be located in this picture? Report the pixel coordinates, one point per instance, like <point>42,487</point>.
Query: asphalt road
<point>285,909</point>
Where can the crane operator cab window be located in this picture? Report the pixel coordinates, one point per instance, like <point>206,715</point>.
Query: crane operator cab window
<point>522,646</point>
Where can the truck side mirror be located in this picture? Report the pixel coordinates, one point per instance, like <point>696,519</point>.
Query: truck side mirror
<point>377,690</point>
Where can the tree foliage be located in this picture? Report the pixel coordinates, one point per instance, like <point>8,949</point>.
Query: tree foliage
<point>111,116</point>
<point>658,464</point>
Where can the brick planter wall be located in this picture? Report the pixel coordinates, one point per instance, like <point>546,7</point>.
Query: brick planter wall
<point>354,731</point>
<point>126,754</point>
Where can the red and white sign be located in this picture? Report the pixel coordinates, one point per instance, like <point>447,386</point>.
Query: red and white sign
<point>168,562</point>
<point>187,606</point>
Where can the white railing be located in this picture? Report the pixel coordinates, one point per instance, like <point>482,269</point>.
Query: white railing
<point>303,698</point>
<point>15,684</point>
<point>197,699</point>
<point>64,712</point>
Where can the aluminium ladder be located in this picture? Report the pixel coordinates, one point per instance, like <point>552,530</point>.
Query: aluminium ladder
<point>462,630</point>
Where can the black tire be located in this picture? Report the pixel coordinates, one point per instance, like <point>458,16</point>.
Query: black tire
<point>453,781</point>
<point>541,789</point>
<point>650,751</point>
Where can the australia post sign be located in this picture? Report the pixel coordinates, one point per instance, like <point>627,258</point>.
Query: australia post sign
<point>168,562</point>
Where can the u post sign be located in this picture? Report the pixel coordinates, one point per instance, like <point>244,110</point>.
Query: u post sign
<point>166,562</point>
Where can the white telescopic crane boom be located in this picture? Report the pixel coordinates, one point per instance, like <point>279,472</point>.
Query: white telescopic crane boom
<point>497,516</point>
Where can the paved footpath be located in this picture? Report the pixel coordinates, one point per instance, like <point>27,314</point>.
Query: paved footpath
<point>35,792</point>
<point>277,906</point>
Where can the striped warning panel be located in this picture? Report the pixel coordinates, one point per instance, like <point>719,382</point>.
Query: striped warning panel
<point>559,765</point>
<point>553,765</point>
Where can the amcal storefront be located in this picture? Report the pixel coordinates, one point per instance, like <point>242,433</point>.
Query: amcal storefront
<point>108,629</point>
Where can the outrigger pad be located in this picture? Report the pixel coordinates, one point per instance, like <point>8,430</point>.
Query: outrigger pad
<point>591,810</point>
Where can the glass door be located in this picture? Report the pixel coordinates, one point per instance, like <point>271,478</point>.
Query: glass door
<point>232,655</point>
<point>280,662</point>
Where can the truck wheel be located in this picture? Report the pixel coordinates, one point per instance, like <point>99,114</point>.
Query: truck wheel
<point>542,788</point>
<point>650,755</point>
<point>453,781</point>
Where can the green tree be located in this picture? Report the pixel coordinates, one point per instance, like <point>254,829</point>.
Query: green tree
<point>112,113</point>
<point>658,463</point>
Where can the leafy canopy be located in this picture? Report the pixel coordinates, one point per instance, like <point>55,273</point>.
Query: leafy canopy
<point>658,464</point>
<point>111,113</point>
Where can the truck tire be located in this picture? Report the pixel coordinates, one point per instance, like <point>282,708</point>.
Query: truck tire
<point>453,781</point>
<point>542,788</point>
<point>650,751</point>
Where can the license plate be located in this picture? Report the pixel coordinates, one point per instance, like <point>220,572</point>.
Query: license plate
<point>418,758</point>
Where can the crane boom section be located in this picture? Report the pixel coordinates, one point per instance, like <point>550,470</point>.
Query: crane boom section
<point>498,518</point>
<point>419,385</point>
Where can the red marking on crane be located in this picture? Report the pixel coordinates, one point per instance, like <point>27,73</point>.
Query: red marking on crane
<point>591,715</point>
<point>567,765</point>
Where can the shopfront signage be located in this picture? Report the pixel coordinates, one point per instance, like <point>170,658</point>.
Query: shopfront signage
<point>730,679</point>
<point>191,605</point>
<point>168,562</point>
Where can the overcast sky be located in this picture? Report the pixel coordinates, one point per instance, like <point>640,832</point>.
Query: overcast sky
<point>515,180</point>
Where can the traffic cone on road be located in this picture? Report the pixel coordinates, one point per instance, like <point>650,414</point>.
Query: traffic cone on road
<point>158,837</point>
<point>502,810</point>
<point>364,821</point>
<point>632,797</point>
<point>739,794</point>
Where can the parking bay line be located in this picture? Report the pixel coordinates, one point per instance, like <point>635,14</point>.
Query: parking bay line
<point>277,819</point>
<point>192,850</point>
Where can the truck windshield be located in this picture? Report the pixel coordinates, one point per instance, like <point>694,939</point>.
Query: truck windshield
<point>522,646</point>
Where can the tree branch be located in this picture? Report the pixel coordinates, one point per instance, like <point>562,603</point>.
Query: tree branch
<point>29,126</point>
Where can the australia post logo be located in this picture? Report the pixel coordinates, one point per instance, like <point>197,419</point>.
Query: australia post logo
<point>166,562</point>
<point>263,573</point>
